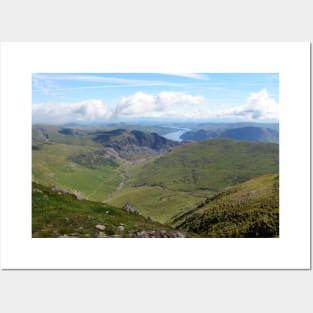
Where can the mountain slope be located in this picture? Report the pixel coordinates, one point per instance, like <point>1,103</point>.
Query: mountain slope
<point>207,165</point>
<point>173,183</point>
<point>56,213</point>
<point>128,144</point>
<point>76,167</point>
<point>244,133</point>
<point>247,210</point>
<point>89,160</point>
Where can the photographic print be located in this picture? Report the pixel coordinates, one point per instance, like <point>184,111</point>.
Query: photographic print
<point>155,155</point>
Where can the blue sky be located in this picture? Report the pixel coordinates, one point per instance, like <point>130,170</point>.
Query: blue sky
<point>60,97</point>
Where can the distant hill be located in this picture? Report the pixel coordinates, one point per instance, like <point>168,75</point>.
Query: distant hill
<point>128,144</point>
<point>244,133</point>
<point>120,139</point>
<point>57,213</point>
<point>208,165</point>
<point>250,209</point>
<point>208,126</point>
<point>222,125</point>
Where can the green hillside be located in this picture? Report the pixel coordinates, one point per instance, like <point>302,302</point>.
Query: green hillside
<point>155,201</point>
<point>59,214</point>
<point>209,165</point>
<point>165,186</point>
<point>70,166</point>
<point>88,160</point>
<point>250,209</point>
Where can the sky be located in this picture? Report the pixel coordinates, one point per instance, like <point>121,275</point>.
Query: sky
<point>88,97</point>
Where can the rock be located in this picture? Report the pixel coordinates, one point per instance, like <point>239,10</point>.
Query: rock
<point>128,208</point>
<point>102,235</point>
<point>180,235</point>
<point>55,188</point>
<point>120,229</point>
<point>100,227</point>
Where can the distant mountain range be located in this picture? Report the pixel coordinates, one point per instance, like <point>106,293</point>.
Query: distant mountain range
<point>249,133</point>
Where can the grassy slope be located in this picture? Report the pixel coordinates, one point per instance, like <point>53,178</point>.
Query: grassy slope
<point>209,165</point>
<point>55,215</point>
<point>51,166</point>
<point>250,209</point>
<point>178,181</point>
<point>159,203</point>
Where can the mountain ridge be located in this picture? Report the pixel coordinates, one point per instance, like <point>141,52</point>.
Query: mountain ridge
<point>249,133</point>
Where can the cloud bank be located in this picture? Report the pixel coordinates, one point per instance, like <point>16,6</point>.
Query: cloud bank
<point>175,105</point>
<point>141,103</point>
<point>259,105</point>
<point>66,112</point>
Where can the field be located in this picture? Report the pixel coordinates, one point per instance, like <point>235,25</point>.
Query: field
<point>52,166</point>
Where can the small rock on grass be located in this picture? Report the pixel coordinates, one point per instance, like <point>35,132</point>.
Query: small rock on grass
<point>100,227</point>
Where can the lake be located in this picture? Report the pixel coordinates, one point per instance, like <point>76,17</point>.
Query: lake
<point>176,134</point>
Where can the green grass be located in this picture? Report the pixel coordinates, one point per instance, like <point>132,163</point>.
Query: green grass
<point>176,182</point>
<point>159,203</point>
<point>51,166</point>
<point>250,209</point>
<point>55,215</point>
<point>210,165</point>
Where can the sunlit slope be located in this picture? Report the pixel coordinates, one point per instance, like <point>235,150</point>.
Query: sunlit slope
<point>250,209</point>
<point>55,214</point>
<point>186,176</point>
<point>210,165</point>
<point>63,165</point>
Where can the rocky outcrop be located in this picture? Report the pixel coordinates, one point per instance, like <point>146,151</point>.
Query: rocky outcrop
<point>128,208</point>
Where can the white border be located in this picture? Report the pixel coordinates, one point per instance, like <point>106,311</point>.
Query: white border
<point>290,251</point>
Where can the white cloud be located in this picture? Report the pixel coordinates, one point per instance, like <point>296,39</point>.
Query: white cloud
<point>166,104</point>
<point>66,112</point>
<point>143,104</point>
<point>258,106</point>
